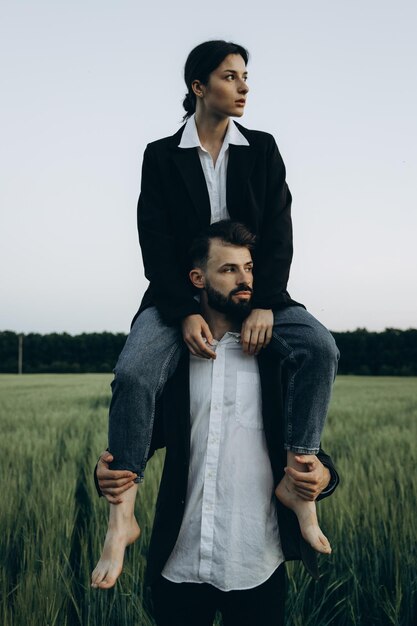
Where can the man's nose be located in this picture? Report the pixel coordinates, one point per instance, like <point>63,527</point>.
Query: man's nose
<point>242,277</point>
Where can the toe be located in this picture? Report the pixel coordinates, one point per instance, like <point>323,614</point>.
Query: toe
<point>326,546</point>
<point>98,575</point>
<point>107,583</point>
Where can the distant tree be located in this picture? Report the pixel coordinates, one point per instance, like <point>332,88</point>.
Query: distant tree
<point>9,343</point>
<point>59,353</point>
<point>392,352</point>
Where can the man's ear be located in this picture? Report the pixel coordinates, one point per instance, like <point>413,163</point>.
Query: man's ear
<point>197,278</point>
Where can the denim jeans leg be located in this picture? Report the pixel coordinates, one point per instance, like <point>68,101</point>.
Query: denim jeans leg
<point>149,357</point>
<point>310,358</point>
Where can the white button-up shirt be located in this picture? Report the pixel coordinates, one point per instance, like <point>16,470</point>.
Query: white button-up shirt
<point>215,175</point>
<point>229,534</point>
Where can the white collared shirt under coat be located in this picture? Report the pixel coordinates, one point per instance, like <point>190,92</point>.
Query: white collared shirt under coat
<point>229,534</point>
<point>215,175</point>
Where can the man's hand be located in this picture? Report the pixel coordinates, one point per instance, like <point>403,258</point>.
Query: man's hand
<point>256,330</point>
<point>309,484</point>
<point>113,483</point>
<point>194,330</point>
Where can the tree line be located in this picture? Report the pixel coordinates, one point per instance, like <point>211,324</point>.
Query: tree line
<point>392,352</point>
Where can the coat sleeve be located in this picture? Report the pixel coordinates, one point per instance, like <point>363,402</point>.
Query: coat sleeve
<point>170,288</point>
<point>275,247</point>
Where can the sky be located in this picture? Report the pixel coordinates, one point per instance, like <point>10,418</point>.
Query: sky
<point>85,85</point>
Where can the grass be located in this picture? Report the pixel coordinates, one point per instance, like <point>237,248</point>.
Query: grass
<point>52,524</point>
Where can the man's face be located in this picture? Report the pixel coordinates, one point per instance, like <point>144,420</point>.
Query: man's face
<point>229,279</point>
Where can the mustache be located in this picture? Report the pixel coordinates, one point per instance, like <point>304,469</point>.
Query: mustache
<point>241,287</point>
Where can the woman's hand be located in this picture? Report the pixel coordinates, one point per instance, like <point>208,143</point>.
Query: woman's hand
<point>256,330</point>
<point>194,330</point>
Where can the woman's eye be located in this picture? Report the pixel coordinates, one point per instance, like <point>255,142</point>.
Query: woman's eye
<point>230,76</point>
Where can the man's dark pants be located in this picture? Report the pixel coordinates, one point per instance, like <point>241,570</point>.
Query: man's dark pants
<point>194,604</point>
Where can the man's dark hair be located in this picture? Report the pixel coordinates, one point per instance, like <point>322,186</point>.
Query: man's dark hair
<point>202,61</point>
<point>228,232</point>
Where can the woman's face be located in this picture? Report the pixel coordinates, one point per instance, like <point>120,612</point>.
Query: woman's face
<point>226,90</point>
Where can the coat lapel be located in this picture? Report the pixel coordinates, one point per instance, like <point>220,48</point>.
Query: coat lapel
<point>188,164</point>
<point>240,165</point>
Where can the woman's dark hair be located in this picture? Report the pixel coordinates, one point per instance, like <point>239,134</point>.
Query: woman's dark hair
<point>228,232</point>
<point>202,61</point>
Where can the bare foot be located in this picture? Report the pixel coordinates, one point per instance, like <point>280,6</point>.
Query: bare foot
<point>305,509</point>
<point>122,530</point>
<point>307,517</point>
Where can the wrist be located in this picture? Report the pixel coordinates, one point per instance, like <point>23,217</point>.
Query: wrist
<point>187,317</point>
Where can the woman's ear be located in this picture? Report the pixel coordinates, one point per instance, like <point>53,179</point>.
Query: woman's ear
<point>197,278</point>
<point>197,88</point>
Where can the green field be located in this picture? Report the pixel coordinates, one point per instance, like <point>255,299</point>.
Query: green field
<point>52,524</point>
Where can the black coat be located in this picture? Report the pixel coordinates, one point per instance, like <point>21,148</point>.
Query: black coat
<point>174,207</point>
<point>172,429</point>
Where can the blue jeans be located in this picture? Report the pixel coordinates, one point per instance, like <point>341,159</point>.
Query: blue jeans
<point>151,354</point>
<point>309,363</point>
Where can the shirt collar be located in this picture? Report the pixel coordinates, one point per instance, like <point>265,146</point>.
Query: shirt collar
<point>190,138</point>
<point>228,337</point>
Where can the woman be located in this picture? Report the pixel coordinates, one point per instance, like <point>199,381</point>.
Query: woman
<point>214,169</point>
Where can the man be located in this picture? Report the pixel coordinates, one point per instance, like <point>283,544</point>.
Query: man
<point>216,543</point>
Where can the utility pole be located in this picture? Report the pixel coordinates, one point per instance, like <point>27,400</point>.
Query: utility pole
<point>20,355</point>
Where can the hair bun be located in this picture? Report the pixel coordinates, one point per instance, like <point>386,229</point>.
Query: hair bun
<point>188,103</point>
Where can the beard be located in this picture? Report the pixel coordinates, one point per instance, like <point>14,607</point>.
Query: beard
<point>225,304</point>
